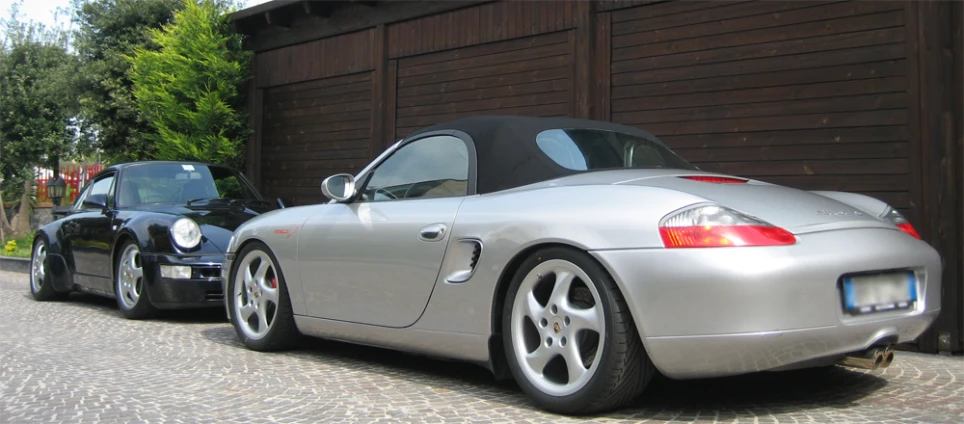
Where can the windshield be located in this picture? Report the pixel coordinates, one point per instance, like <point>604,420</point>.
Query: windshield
<point>179,184</point>
<point>594,149</point>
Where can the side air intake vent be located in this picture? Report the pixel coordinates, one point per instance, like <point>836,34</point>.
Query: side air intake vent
<point>463,259</point>
<point>476,252</point>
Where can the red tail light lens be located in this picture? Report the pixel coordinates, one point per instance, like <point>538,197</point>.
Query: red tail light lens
<point>716,180</point>
<point>716,226</point>
<point>909,229</point>
<point>894,217</point>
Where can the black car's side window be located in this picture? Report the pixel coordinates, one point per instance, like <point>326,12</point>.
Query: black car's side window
<point>435,166</point>
<point>101,186</point>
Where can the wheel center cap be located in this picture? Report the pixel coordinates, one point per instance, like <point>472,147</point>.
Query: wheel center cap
<point>556,327</point>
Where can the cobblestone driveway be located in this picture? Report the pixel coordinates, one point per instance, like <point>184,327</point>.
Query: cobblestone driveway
<point>80,361</point>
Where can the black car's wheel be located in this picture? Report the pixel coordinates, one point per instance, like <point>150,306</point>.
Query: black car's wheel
<point>570,340</point>
<point>40,286</point>
<point>258,301</point>
<point>129,286</point>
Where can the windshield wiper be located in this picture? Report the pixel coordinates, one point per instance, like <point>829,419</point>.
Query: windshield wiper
<point>247,201</point>
<point>209,199</point>
<point>229,201</point>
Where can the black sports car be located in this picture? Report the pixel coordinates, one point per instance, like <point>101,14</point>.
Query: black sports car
<point>149,234</point>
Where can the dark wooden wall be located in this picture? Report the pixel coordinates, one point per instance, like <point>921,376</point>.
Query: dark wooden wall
<point>811,96</point>
<point>832,95</point>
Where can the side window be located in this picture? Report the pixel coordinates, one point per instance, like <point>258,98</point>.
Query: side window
<point>430,167</point>
<point>101,186</point>
<point>80,198</point>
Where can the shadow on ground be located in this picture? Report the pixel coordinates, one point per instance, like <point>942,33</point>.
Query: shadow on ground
<point>107,306</point>
<point>724,398</point>
<point>664,399</point>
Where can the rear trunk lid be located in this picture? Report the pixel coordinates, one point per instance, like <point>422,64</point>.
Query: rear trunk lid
<point>797,211</point>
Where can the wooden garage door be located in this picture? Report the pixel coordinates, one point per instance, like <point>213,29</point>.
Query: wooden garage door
<point>813,95</point>
<point>528,76</point>
<point>312,130</point>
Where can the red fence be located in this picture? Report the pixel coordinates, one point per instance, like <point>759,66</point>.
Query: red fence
<point>75,176</point>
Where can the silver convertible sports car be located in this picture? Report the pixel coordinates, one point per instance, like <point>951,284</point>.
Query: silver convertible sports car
<point>580,258</point>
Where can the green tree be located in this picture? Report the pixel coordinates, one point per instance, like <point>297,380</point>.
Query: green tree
<point>37,125</point>
<point>106,32</point>
<point>189,89</point>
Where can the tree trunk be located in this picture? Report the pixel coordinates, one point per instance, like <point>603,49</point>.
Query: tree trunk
<point>21,222</point>
<point>5,228</point>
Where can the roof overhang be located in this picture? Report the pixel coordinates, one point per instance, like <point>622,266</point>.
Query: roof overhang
<point>280,13</point>
<point>280,23</point>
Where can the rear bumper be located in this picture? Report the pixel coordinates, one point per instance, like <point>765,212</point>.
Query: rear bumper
<point>715,312</point>
<point>202,290</point>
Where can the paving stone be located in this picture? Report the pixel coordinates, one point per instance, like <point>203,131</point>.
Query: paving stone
<point>80,361</point>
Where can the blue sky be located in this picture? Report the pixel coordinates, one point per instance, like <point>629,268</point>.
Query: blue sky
<point>44,10</point>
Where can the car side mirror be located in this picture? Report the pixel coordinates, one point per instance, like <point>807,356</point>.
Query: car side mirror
<point>339,187</point>
<point>95,201</point>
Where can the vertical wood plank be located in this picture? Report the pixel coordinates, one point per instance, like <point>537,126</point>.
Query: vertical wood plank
<point>253,145</point>
<point>379,58</point>
<point>390,95</point>
<point>581,59</point>
<point>255,175</point>
<point>957,49</point>
<point>602,67</point>
<point>472,27</point>
<point>914,155</point>
<point>941,190</point>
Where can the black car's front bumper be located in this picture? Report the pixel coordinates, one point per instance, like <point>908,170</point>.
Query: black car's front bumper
<point>203,288</point>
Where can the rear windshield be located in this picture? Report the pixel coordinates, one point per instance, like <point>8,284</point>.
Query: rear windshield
<point>594,149</point>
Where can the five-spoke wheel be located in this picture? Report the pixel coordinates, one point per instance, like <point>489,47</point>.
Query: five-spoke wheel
<point>557,326</point>
<point>570,340</point>
<point>258,300</point>
<point>129,287</point>
<point>40,286</point>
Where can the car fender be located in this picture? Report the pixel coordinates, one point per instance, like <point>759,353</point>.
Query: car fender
<point>59,267</point>
<point>279,230</point>
<point>151,232</point>
<point>513,223</point>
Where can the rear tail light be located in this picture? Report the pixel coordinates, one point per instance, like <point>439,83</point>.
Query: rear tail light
<point>892,216</point>
<point>717,180</point>
<point>716,226</point>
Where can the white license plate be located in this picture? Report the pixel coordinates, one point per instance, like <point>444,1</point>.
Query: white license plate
<point>879,292</point>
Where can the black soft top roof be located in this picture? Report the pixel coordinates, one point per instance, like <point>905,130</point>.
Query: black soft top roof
<point>506,150</point>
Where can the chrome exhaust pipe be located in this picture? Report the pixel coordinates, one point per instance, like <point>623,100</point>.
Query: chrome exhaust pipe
<point>888,357</point>
<point>869,359</point>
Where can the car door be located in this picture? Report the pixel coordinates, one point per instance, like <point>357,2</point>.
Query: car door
<point>89,232</point>
<point>375,260</point>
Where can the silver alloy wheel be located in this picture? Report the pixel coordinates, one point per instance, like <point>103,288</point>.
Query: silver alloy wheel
<point>558,318</point>
<point>130,276</point>
<point>37,271</point>
<point>256,294</point>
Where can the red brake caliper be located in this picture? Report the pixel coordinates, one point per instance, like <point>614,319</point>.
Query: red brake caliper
<point>274,282</point>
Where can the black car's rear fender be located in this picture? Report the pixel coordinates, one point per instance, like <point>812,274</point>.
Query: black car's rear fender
<point>61,274</point>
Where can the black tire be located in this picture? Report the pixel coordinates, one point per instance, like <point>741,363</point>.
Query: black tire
<point>142,307</point>
<point>624,369</point>
<point>282,332</point>
<point>42,289</point>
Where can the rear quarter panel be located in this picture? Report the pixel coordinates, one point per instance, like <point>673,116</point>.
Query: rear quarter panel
<point>60,261</point>
<point>589,217</point>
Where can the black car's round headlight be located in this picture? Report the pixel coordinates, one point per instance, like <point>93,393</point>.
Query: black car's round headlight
<point>186,233</point>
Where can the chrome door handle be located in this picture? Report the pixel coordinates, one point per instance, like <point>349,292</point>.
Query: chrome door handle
<point>434,232</point>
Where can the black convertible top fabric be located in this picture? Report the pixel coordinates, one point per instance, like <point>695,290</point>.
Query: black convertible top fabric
<point>506,150</point>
